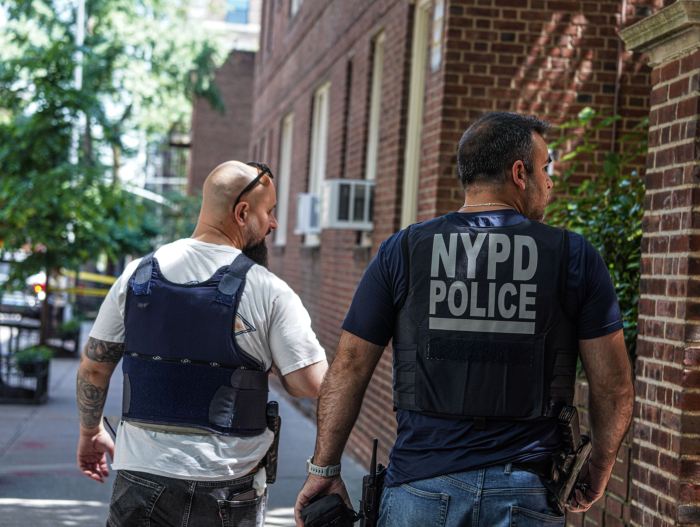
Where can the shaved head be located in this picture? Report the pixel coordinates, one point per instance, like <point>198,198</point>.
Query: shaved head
<point>222,186</point>
<point>244,224</point>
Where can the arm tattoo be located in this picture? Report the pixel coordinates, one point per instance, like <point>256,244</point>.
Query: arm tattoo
<point>91,401</point>
<point>103,351</point>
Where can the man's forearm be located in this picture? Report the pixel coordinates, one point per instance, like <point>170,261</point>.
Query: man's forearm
<point>611,398</point>
<point>96,367</point>
<point>341,395</point>
<point>610,416</point>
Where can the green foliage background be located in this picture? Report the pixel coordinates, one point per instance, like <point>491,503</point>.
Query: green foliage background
<point>608,209</point>
<point>63,203</point>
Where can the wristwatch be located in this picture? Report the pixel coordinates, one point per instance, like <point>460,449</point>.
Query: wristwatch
<point>324,472</point>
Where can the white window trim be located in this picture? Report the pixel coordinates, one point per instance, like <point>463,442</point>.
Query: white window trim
<point>375,108</point>
<point>284,176</point>
<point>412,154</point>
<point>319,149</point>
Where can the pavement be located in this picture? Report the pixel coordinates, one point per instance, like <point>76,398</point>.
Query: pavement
<point>40,484</point>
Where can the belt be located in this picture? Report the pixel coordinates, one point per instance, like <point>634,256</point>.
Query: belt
<point>542,468</point>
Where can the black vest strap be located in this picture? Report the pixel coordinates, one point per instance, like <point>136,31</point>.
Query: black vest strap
<point>230,287</point>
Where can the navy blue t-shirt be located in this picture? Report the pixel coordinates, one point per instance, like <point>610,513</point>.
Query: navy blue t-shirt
<point>430,446</point>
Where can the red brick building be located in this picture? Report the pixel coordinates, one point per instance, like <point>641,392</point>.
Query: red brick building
<point>219,136</point>
<point>381,90</point>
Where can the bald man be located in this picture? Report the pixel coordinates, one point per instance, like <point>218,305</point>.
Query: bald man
<point>199,324</point>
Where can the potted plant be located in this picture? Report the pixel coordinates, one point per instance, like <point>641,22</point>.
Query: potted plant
<point>69,329</point>
<point>34,360</point>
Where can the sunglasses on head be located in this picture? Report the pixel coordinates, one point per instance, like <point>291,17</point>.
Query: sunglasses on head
<point>264,169</point>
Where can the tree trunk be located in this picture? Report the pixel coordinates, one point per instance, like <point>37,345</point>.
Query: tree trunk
<point>116,163</point>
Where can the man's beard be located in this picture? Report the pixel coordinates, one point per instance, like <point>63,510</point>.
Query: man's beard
<point>257,252</point>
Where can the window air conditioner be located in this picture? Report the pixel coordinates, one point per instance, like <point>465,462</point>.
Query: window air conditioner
<point>308,214</point>
<point>348,204</point>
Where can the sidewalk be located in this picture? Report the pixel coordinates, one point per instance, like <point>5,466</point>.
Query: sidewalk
<point>40,484</point>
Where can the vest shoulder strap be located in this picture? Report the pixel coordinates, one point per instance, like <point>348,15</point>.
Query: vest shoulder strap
<point>231,284</point>
<point>141,278</point>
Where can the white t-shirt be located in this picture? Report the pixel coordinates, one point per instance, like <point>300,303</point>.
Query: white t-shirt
<point>272,325</point>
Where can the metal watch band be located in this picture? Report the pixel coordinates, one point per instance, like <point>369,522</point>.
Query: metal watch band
<point>324,472</point>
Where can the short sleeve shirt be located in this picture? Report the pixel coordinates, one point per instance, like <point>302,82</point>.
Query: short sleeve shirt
<point>275,328</point>
<point>430,446</point>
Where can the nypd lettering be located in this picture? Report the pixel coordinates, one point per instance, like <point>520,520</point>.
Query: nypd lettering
<point>501,299</point>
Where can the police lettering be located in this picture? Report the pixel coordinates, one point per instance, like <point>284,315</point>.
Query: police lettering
<point>512,259</point>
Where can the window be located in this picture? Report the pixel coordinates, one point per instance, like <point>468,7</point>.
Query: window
<point>237,11</point>
<point>375,108</point>
<point>294,7</point>
<point>319,146</point>
<point>419,57</point>
<point>436,44</point>
<point>284,177</point>
<point>375,104</point>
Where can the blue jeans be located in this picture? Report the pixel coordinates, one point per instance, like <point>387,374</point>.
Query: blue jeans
<point>496,496</point>
<point>141,499</point>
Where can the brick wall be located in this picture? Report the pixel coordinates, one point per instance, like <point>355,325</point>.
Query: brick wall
<point>218,137</point>
<point>665,463</point>
<point>668,368</point>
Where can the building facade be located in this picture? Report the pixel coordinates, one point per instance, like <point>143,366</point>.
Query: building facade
<point>219,135</point>
<point>377,93</point>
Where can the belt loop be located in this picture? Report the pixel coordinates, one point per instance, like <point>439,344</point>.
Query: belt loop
<point>508,469</point>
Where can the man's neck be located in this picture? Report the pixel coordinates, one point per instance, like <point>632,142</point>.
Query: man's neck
<point>487,201</point>
<point>209,234</point>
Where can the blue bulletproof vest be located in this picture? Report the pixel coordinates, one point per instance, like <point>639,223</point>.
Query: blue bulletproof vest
<point>483,333</point>
<point>181,365</point>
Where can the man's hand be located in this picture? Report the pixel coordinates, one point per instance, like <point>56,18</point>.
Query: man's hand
<point>315,486</point>
<point>339,403</point>
<point>594,481</point>
<point>92,454</point>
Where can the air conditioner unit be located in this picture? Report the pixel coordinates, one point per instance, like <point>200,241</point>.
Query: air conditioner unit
<point>308,214</point>
<point>347,204</point>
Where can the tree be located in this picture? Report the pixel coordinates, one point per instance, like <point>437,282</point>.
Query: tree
<point>62,201</point>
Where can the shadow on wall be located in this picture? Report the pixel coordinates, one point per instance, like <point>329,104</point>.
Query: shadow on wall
<point>555,66</point>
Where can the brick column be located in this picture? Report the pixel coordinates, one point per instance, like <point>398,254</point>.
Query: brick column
<point>665,463</point>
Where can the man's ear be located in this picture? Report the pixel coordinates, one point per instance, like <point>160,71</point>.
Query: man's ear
<point>240,213</point>
<point>519,174</point>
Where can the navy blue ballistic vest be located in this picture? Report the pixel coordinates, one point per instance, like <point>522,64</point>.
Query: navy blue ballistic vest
<point>483,333</point>
<point>182,366</point>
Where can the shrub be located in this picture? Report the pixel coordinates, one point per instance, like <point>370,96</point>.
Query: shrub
<point>69,328</point>
<point>607,209</point>
<point>29,360</point>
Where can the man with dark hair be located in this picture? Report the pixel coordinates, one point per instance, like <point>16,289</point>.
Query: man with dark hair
<point>488,309</point>
<point>198,324</point>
